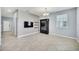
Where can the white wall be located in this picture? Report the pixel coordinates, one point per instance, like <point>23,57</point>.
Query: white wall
<point>0,26</point>
<point>71,30</point>
<point>15,17</point>
<point>78,22</point>
<point>25,16</point>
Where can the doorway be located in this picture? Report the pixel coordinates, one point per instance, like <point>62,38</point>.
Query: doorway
<point>44,26</point>
<point>6,26</point>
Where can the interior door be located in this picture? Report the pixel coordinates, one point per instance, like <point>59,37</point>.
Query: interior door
<point>44,26</point>
<point>6,26</point>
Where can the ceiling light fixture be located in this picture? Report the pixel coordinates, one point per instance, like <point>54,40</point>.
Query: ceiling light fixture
<point>46,12</point>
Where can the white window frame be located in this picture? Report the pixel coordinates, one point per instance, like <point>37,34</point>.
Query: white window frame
<point>61,20</point>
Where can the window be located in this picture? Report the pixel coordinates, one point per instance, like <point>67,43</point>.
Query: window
<point>62,21</point>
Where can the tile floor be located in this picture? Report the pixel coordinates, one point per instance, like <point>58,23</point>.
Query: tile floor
<point>38,42</point>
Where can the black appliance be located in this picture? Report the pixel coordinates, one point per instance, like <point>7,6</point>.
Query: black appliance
<point>44,26</point>
<point>28,24</point>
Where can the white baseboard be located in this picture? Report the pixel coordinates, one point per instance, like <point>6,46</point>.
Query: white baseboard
<point>27,34</point>
<point>75,38</point>
<point>66,36</point>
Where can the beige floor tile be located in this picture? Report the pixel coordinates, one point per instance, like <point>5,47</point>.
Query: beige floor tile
<point>38,42</point>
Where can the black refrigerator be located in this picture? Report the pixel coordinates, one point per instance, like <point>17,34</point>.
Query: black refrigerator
<point>44,26</point>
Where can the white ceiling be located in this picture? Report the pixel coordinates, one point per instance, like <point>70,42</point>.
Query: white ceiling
<point>8,11</point>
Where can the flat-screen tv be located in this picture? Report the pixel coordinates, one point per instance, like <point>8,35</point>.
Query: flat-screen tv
<point>28,24</point>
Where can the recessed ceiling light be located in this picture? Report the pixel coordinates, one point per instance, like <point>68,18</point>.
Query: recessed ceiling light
<point>46,12</point>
